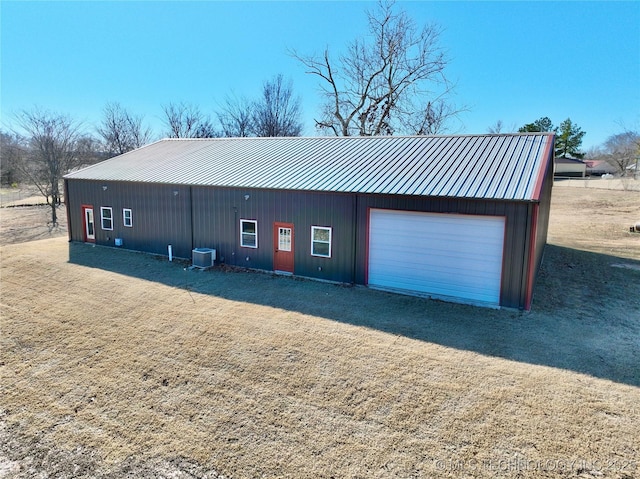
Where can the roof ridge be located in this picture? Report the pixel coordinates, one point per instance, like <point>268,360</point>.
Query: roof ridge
<point>355,137</point>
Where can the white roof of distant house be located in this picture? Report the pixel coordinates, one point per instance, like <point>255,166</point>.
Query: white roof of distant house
<point>571,161</point>
<point>500,167</point>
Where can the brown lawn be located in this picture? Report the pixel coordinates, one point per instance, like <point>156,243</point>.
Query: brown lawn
<point>115,364</point>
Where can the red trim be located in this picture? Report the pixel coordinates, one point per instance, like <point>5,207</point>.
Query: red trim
<point>84,224</point>
<point>532,258</point>
<point>548,154</point>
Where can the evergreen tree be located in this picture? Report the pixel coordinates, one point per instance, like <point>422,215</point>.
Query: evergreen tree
<point>569,139</point>
<point>541,124</point>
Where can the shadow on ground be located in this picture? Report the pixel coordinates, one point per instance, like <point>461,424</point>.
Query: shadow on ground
<point>585,317</point>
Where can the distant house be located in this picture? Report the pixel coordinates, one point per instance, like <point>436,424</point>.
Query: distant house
<point>570,167</point>
<point>599,168</point>
<point>459,218</point>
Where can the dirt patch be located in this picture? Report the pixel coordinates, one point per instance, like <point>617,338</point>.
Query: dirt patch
<point>21,224</point>
<point>24,216</point>
<point>595,220</point>
<point>115,364</point>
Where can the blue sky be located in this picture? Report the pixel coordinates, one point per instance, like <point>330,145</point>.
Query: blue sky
<point>512,61</point>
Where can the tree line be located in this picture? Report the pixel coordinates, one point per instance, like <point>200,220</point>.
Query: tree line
<point>46,145</point>
<point>49,144</point>
<point>275,113</point>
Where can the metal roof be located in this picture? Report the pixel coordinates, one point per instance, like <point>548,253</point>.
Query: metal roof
<point>505,167</point>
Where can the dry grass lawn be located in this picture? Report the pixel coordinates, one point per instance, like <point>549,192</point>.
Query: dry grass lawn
<point>119,364</point>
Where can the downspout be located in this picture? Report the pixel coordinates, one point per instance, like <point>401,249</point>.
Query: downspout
<point>354,242</point>
<point>236,235</point>
<point>191,213</point>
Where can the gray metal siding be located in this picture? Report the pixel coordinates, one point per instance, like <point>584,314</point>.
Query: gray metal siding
<point>216,224</point>
<point>160,216</point>
<point>516,259</point>
<point>515,246</point>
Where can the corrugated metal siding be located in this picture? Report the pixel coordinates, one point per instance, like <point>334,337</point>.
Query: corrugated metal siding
<point>160,217</point>
<point>475,166</point>
<point>216,223</point>
<point>515,245</point>
<point>544,209</point>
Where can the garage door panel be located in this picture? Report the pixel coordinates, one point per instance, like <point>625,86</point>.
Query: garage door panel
<point>442,255</point>
<point>439,263</point>
<point>442,281</point>
<point>414,238</point>
<point>437,256</point>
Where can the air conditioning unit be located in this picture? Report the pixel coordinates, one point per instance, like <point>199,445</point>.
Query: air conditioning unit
<point>203,257</point>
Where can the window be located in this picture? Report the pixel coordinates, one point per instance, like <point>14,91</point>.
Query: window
<point>127,218</point>
<point>321,241</point>
<point>249,233</point>
<point>106,216</point>
<point>284,239</point>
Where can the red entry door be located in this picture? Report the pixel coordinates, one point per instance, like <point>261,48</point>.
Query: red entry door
<point>89,224</point>
<point>283,245</point>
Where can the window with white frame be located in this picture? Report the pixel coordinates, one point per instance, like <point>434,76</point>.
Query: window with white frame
<point>321,241</point>
<point>127,217</point>
<point>106,217</point>
<point>249,233</point>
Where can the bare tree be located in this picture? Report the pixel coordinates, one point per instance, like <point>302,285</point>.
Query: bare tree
<point>623,151</point>
<point>122,131</point>
<point>431,120</point>
<point>236,117</point>
<point>386,84</point>
<point>89,150</point>
<point>52,152</point>
<point>496,128</point>
<point>499,127</point>
<point>187,121</point>
<point>277,112</point>
<point>12,149</point>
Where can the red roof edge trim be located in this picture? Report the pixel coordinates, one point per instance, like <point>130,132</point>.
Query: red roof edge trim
<point>548,155</point>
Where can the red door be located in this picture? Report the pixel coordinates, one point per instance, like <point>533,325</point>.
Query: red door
<point>88,224</point>
<point>283,245</point>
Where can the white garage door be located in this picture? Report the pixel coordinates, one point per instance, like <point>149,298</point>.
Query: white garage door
<point>453,257</point>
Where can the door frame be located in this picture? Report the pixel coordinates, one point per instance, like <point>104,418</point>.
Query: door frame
<point>87,238</point>
<point>278,260</point>
<point>465,290</point>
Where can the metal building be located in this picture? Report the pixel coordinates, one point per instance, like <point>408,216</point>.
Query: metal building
<point>461,218</point>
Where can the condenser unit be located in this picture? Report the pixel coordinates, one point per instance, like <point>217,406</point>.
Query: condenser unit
<point>203,257</point>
